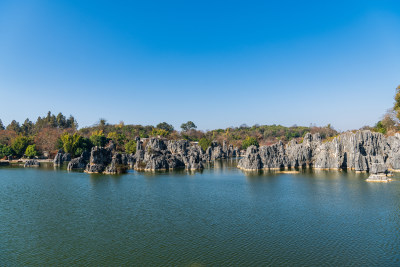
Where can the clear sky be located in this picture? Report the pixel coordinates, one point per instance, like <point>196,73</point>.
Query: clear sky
<point>217,63</point>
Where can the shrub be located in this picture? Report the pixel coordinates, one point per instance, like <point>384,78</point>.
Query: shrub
<point>204,143</point>
<point>159,132</point>
<point>98,139</point>
<point>249,141</point>
<point>130,147</point>
<point>5,151</point>
<point>30,151</point>
<point>20,144</point>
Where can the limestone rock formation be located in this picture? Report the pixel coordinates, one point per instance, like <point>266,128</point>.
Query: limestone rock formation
<point>100,157</point>
<point>359,151</point>
<point>58,159</point>
<point>80,162</point>
<point>31,163</point>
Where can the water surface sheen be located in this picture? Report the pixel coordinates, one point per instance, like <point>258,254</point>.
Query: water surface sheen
<point>217,217</point>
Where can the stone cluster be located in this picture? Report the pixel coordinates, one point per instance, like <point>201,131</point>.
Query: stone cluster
<point>156,155</point>
<point>61,157</point>
<point>31,163</point>
<point>360,151</point>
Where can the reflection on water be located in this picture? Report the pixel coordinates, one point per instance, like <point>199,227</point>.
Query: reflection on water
<point>220,216</point>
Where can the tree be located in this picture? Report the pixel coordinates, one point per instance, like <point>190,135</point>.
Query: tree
<point>20,144</point>
<point>72,143</point>
<point>1,125</point>
<point>30,151</point>
<point>380,128</point>
<point>27,127</point>
<point>159,132</point>
<point>130,147</point>
<point>14,126</point>
<point>98,139</point>
<point>47,139</point>
<point>188,126</point>
<point>102,123</point>
<point>61,121</point>
<point>71,123</point>
<point>165,126</point>
<point>397,102</point>
<point>5,151</point>
<point>249,141</point>
<point>204,143</point>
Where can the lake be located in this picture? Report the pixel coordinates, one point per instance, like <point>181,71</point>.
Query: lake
<point>217,217</point>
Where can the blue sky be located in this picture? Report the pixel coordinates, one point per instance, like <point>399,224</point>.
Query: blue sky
<point>217,63</point>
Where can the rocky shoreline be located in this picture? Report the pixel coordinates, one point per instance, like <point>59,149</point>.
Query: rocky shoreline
<point>157,155</point>
<point>362,151</point>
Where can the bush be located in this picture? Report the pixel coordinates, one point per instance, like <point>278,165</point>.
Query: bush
<point>165,126</point>
<point>159,132</point>
<point>204,143</point>
<point>30,151</point>
<point>5,151</point>
<point>75,144</point>
<point>130,147</point>
<point>98,139</point>
<point>20,144</point>
<point>249,141</point>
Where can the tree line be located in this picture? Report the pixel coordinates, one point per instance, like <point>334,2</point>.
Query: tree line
<point>53,132</point>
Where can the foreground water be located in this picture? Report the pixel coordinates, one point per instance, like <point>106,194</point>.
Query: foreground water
<point>218,217</point>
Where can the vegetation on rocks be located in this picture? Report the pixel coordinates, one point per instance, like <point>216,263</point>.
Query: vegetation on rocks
<point>53,132</point>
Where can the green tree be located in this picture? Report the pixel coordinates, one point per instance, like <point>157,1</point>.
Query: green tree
<point>249,141</point>
<point>188,126</point>
<point>98,139</point>
<point>5,151</point>
<point>71,143</point>
<point>30,151</point>
<point>130,147</point>
<point>14,126</point>
<point>71,123</point>
<point>159,132</point>
<point>380,127</point>
<point>165,126</point>
<point>397,102</point>
<point>27,127</point>
<point>20,144</point>
<point>1,125</point>
<point>204,143</point>
<point>61,120</point>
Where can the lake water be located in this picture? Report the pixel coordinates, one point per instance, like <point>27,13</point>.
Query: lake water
<point>218,217</point>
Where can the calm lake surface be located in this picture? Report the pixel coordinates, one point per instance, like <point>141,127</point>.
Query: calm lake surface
<point>218,217</point>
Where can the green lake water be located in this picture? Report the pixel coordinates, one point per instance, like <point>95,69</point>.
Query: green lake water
<point>217,217</point>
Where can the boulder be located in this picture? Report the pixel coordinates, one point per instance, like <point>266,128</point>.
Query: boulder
<point>251,161</point>
<point>77,163</point>
<point>31,163</point>
<point>118,164</point>
<point>58,159</point>
<point>99,159</point>
<point>66,157</point>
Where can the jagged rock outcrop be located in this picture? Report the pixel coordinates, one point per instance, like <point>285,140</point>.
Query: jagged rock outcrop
<point>61,157</point>
<point>119,164</point>
<point>31,163</point>
<point>156,155</point>
<point>100,158</point>
<point>251,160</point>
<point>58,159</point>
<point>80,162</point>
<point>66,157</point>
<point>173,155</point>
<point>359,151</point>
